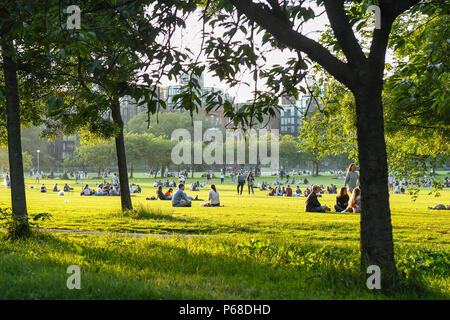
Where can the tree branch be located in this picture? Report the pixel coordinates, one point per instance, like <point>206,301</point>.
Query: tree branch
<point>284,33</point>
<point>343,31</point>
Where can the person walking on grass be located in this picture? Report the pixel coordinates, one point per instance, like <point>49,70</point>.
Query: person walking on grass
<point>352,178</point>
<point>241,182</point>
<point>312,204</point>
<point>180,198</point>
<point>250,182</point>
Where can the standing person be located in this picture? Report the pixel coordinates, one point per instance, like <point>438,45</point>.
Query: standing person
<point>115,179</point>
<point>241,182</point>
<point>36,175</point>
<point>312,204</point>
<point>341,200</point>
<point>352,178</point>
<point>232,176</point>
<point>222,177</point>
<point>213,198</point>
<point>7,181</point>
<point>391,183</point>
<point>250,182</point>
<point>180,198</point>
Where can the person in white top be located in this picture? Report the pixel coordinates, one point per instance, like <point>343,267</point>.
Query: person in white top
<point>213,197</point>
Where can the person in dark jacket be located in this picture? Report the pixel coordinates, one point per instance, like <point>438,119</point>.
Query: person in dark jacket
<point>161,195</point>
<point>241,182</point>
<point>342,199</point>
<point>312,204</point>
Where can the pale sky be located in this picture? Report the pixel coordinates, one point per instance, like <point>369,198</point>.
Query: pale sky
<point>191,37</point>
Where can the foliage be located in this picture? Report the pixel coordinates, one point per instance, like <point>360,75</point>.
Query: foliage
<point>15,225</point>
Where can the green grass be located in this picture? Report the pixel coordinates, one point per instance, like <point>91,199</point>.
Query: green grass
<point>294,255</point>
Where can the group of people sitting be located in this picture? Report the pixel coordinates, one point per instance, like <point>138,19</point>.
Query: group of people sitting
<point>196,186</point>
<point>106,189</point>
<point>344,203</point>
<point>181,199</point>
<point>61,192</point>
<point>284,192</point>
<point>288,192</point>
<point>165,184</point>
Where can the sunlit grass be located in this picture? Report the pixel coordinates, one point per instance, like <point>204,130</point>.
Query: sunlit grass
<point>215,261</point>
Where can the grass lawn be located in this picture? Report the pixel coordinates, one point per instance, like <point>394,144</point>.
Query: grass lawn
<point>256,247</point>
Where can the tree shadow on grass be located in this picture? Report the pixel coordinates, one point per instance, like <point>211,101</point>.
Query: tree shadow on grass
<point>125,268</point>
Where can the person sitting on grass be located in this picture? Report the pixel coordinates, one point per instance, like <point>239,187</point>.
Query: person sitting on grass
<point>355,202</point>
<point>180,198</point>
<point>100,191</point>
<point>307,192</point>
<point>115,190</point>
<point>66,188</point>
<point>277,191</point>
<point>288,191</point>
<point>169,192</point>
<point>86,191</point>
<point>213,198</point>
<point>341,200</point>
<point>161,196</point>
<point>271,192</point>
<point>312,204</point>
<point>298,192</point>
<point>263,186</point>
<point>43,188</point>
<point>194,186</point>
<point>55,188</point>
<point>107,188</point>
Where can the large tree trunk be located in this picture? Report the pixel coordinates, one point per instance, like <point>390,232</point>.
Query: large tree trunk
<point>377,247</point>
<point>18,198</point>
<point>121,159</point>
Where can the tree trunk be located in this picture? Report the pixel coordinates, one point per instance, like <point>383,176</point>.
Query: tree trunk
<point>121,158</point>
<point>377,247</point>
<point>162,171</point>
<point>131,171</point>
<point>18,198</point>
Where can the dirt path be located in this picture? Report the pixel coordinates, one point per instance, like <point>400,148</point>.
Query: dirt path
<point>123,234</point>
